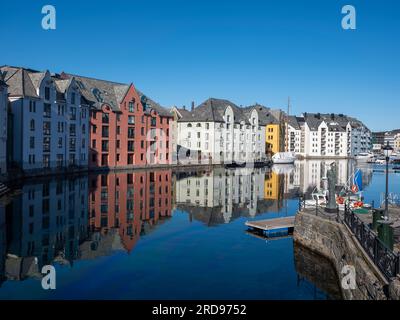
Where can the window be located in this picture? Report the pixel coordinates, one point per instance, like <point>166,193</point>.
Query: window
<point>47,93</point>
<point>94,128</point>
<point>94,143</point>
<point>189,125</point>
<point>118,144</point>
<point>46,144</point>
<point>104,132</point>
<point>46,162</point>
<point>104,145</point>
<point>60,142</point>
<point>131,133</point>
<point>73,98</point>
<point>47,110</point>
<point>131,146</point>
<point>131,119</point>
<point>131,107</point>
<point>73,113</point>
<point>207,126</point>
<point>46,128</point>
<point>72,130</point>
<point>153,122</point>
<point>72,144</point>
<point>60,127</point>
<point>118,130</point>
<point>105,118</point>
<point>32,125</point>
<point>32,142</point>
<point>32,106</point>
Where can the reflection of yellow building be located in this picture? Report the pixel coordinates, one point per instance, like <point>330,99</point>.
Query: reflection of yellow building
<point>272,138</point>
<point>397,142</point>
<point>271,186</point>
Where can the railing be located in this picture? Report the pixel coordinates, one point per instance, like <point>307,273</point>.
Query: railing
<point>384,258</point>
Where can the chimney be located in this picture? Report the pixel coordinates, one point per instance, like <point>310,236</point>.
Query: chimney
<point>192,106</point>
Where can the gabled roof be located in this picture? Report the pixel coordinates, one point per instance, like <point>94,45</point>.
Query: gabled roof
<point>149,105</point>
<point>19,81</point>
<point>266,115</point>
<point>294,122</point>
<point>100,92</point>
<point>213,110</point>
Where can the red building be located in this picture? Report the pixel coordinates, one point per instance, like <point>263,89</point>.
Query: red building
<point>129,202</point>
<point>126,127</point>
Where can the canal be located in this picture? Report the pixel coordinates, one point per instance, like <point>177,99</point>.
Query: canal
<point>165,235</point>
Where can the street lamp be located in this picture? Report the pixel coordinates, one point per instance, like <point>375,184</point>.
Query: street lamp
<point>387,150</point>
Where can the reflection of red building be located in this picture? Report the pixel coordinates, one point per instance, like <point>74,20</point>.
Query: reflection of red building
<point>126,127</point>
<point>129,200</point>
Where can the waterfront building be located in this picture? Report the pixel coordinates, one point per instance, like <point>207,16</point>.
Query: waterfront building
<point>177,114</point>
<point>397,142</point>
<point>50,121</point>
<point>378,138</point>
<point>217,131</point>
<point>3,124</point>
<point>274,128</point>
<point>390,137</point>
<point>126,127</point>
<point>127,205</point>
<point>221,195</point>
<point>327,135</point>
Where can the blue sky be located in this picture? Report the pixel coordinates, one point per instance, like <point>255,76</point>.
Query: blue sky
<point>248,51</point>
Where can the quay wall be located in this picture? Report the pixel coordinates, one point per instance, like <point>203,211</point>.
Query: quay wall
<point>335,241</point>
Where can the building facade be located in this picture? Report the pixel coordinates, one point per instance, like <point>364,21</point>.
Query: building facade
<point>3,125</point>
<point>217,131</point>
<point>126,127</point>
<point>327,135</point>
<point>50,121</point>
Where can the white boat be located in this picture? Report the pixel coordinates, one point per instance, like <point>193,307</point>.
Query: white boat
<point>283,157</point>
<point>317,199</point>
<point>380,161</point>
<point>364,157</point>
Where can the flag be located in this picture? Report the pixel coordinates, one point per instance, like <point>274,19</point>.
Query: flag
<point>357,181</point>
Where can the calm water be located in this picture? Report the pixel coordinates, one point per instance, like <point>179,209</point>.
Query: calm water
<point>161,235</point>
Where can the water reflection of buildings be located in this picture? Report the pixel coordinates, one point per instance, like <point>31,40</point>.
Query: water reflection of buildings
<point>124,206</point>
<point>62,220</point>
<point>306,175</point>
<point>46,222</point>
<point>220,195</point>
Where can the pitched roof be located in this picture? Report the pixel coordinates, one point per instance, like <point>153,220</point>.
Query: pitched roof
<point>19,81</point>
<point>266,115</point>
<point>100,92</point>
<point>213,110</point>
<point>149,104</point>
<point>294,122</point>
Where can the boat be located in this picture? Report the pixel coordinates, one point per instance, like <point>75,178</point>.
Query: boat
<point>317,199</point>
<point>380,161</point>
<point>283,158</point>
<point>364,156</point>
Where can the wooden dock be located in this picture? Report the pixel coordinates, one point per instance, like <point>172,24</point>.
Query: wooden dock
<point>272,224</point>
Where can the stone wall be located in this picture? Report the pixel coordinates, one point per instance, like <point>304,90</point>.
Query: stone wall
<point>334,241</point>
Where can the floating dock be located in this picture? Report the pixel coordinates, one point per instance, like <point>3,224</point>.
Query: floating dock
<point>272,225</point>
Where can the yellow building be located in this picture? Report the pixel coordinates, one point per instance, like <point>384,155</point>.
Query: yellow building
<point>272,138</point>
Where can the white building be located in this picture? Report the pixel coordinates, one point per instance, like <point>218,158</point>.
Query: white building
<point>50,120</point>
<point>218,131</point>
<point>3,125</point>
<point>327,136</point>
